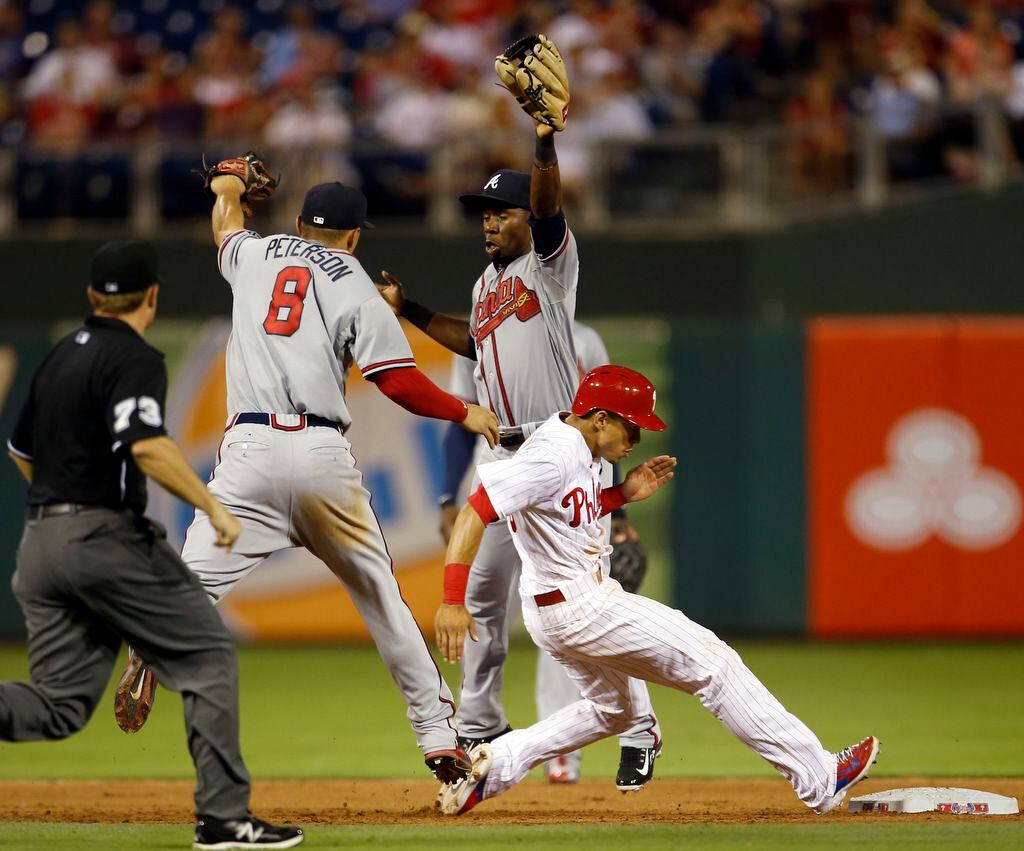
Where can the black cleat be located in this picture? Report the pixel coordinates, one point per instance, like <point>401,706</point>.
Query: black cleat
<point>467,743</point>
<point>249,832</point>
<point>448,766</point>
<point>636,768</point>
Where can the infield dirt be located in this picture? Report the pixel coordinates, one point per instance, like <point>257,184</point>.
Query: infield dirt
<point>311,802</point>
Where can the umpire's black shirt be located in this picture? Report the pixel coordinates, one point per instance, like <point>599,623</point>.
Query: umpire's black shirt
<point>100,389</point>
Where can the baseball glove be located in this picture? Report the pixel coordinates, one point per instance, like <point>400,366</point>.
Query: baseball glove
<point>628,561</point>
<point>533,71</point>
<point>249,168</point>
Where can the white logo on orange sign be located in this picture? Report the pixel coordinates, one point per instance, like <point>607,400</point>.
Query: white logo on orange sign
<point>934,485</point>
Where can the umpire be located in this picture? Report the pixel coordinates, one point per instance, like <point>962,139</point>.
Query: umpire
<point>93,571</point>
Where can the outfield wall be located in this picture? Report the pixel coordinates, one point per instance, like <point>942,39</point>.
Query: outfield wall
<point>839,477</point>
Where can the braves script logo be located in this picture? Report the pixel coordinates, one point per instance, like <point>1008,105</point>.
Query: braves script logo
<point>579,500</point>
<point>510,298</point>
<point>934,485</point>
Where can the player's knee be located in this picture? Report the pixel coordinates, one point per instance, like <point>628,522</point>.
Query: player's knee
<point>67,716</point>
<point>614,718</point>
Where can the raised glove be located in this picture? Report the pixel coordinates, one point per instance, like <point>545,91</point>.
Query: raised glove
<point>259,183</point>
<point>533,71</point>
<point>628,561</point>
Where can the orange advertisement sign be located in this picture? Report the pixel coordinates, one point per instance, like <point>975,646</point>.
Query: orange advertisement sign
<point>915,477</point>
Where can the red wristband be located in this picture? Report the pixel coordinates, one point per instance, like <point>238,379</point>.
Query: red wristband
<point>456,578</point>
<point>612,498</point>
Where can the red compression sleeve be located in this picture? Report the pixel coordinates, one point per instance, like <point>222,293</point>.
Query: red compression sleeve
<point>456,578</point>
<point>481,503</point>
<point>411,389</point>
<point>612,498</point>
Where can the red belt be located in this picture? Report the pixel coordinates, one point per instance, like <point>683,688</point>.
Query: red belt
<point>550,598</point>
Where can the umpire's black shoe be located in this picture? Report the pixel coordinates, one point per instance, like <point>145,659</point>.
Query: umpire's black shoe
<point>467,743</point>
<point>249,832</point>
<point>636,768</point>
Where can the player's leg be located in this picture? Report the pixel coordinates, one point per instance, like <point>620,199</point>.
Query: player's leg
<point>70,651</point>
<point>481,714</point>
<point>333,519</point>
<point>648,640</point>
<point>553,690</point>
<point>603,710</point>
<point>252,480</point>
<point>641,744</point>
<point>159,606</point>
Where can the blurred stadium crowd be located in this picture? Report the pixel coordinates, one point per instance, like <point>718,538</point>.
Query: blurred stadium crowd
<point>410,75</point>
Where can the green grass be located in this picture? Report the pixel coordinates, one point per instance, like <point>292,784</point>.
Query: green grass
<point>990,835</point>
<point>940,709</point>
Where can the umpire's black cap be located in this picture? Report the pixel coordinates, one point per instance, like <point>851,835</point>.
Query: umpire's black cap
<point>505,188</point>
<point>335,206</point>
<point>124,266</point>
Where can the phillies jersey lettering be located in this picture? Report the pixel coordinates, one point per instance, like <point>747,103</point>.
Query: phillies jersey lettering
<point>521,322</point>
<point>579,501</point>
<point>549,491</point>
<point>302,314</point>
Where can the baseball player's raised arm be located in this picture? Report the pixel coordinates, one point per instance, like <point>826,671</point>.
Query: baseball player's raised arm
<point>450,331</point>
<point>227,216</point>
<point>545,181</point>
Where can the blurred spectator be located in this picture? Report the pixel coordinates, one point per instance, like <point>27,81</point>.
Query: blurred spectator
<point>225,85</point>
<point>100,31</point>
<point>299,51</point>
<point>416,115</point>
<point>461,44</point>
<point>978,69</point>
<point>672,70</point>
<point>310,116</point>
<point>12,34</point>
<point>818,137</point>
<point>74,70</point>
<point>903,105</point>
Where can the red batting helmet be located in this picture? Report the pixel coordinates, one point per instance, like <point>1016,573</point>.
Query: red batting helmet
<point>621,391</point>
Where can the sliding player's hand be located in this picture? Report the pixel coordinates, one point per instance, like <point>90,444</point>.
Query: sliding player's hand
<point>451,623</point>
<point>644,480</point>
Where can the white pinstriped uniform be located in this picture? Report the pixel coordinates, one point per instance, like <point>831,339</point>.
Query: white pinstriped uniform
<point>550,495</point>
<point>302,315</point>
<point>496,569</point>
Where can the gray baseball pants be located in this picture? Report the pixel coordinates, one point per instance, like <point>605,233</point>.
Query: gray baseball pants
<point>89,581</point>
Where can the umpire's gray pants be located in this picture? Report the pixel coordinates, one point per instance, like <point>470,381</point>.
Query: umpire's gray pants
<point>89,581</point>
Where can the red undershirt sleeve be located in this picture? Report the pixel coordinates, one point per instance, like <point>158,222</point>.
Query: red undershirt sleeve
<point>612,498</point>
<point>411,389</point>
<point>481,503</point>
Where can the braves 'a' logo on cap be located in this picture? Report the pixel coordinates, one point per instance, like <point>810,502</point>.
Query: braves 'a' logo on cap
<point>492,183</point>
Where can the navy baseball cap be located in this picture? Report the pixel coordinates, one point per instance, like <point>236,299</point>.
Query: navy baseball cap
<point>124,266</point>
<point>335,206</point>
<point>505,188</point>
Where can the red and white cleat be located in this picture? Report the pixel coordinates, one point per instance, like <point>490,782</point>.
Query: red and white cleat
<point>852,766</point>
<point>461,797</point>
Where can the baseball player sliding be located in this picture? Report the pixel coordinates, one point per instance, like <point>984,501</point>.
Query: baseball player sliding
<point>303,312</point>
<point>627,563</point>
<point>520,336</point>
<point>550,496</point>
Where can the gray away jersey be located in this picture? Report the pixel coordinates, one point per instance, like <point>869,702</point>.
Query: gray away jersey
<point>302,315</point>
<point>522,324</point>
